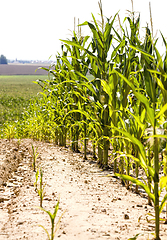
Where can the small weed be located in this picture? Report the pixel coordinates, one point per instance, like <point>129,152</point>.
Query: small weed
<point>18,143</point>
<point>9,131</point>
<point>34,156</point>
<point>36,179</point>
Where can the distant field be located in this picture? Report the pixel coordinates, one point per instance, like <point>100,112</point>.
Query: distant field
<point>15,95</point>
<point>20,86</point>
<point>22,69</point>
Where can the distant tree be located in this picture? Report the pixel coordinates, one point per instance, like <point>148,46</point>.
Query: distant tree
<point>3,60</point>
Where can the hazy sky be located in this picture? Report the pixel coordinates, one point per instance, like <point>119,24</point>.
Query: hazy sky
<point>31,29</point>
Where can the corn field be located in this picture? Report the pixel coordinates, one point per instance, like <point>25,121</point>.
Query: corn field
<point>120,112</point>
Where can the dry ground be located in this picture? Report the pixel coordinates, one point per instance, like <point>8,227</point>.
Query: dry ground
<point>97,206</point>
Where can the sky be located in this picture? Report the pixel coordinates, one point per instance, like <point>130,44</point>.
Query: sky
<point>31,29</point>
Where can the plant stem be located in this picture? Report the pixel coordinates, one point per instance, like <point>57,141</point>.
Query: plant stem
<point>52,229</point>
<point>156,182</point>
<point>149,177</point>
<point>106,133</point>
<point>41,190</point>
<point>85,133</point>
<point>100,153</point>
<point>128,164</point>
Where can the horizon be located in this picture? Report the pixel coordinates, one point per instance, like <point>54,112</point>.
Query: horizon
<point>25,60</point>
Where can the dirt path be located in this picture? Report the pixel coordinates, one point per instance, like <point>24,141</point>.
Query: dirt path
<point>97,206</point>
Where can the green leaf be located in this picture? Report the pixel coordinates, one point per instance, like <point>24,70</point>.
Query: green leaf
<point>83,24</point>
<point>117,48</point>
<point>45,231</point>
<point>140,96</point>
<point>151,171</point>
<point>136,236</point>
<point>163,39</point>
<point>150,111</point>
<point>85,40</point>
<point>107,33</point>
<point>142,51</point>
<point>157,79</point>
<point>58,222</point>
<point>89,86</point>
<point>137,119</point>
<point>163,109</point>
<point>56,209</point>
<point>132,157</point>
<point>148,83</point>
<point>156,136</point>
<point>49,213</point>
<point>163,203</point>
<point>138,143</point>
<point>97,34</point>
<point>137,182</point>
<point>79,111</point>
<point>163,182</point>
<point>82,48</point>
<point>107,88</point>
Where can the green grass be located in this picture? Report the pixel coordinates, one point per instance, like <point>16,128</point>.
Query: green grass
<point>15,94</point>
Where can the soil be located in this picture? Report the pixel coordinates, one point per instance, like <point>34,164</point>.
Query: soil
<point>97,205</point>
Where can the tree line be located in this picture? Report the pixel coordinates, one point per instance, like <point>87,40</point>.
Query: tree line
<point>3,59</point>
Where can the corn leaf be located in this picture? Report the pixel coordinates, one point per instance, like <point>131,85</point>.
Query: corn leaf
<point>163,182</point>
<point>136,236</point>
<point>163,203</point>
<point>45,231</point>
<point>163,109</point>
<point>137,119</point>
<point>138,143</point>
<point>140,96</point>
<point>139,183</point>
<point>142,51</point>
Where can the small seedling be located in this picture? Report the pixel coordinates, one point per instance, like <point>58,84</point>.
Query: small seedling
<point>18,143</point>
<point>34,155</point>
<point>36,179</point>
<point>52,219</point>
<point>40,191</point>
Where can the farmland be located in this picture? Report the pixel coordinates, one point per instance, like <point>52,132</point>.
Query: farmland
<point>15,94</point>
<point>19,85</point>
<point>21,69</point>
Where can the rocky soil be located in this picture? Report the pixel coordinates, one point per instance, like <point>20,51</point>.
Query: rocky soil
<point>97,205</point>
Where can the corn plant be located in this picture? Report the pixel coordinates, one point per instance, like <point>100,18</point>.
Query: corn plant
<point>165,173</point>
<point>54,228</point>
<point>152,92</point>
<point>102,39</point>
<point>59,96</point>
<point>40,190</point>
<point>153,172</point>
